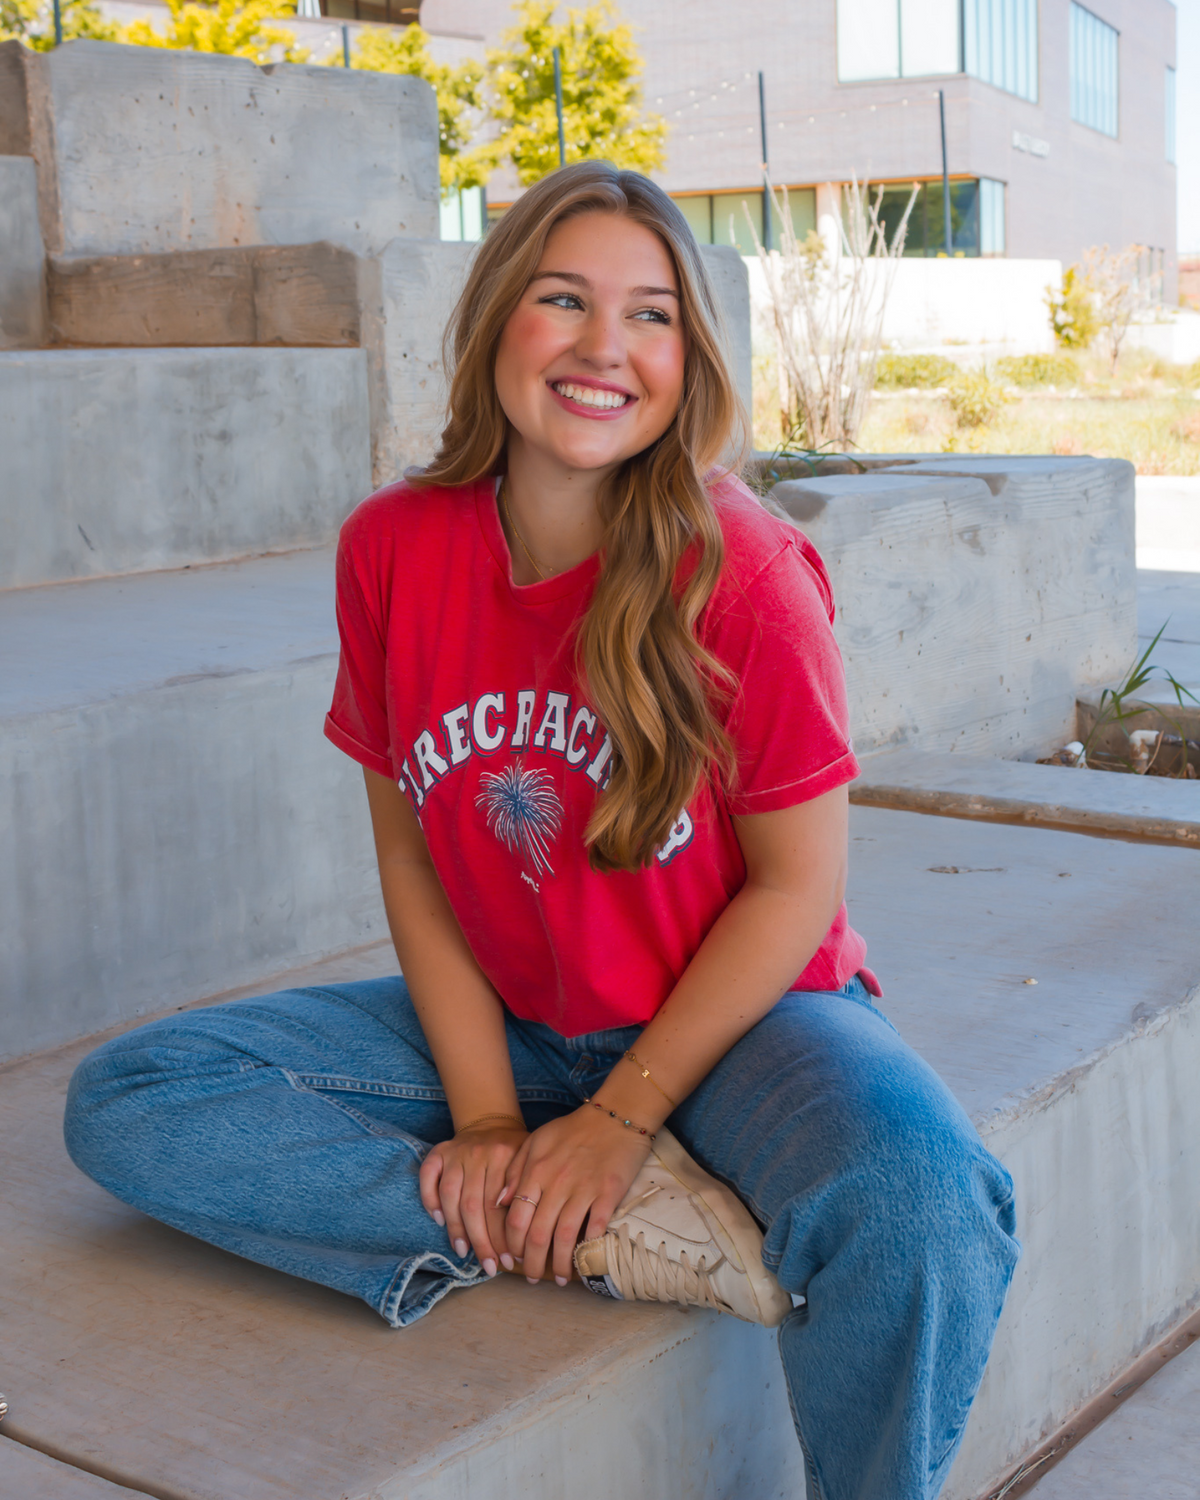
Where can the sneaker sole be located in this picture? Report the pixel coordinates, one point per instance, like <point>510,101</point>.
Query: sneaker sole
<point>739,1236</point>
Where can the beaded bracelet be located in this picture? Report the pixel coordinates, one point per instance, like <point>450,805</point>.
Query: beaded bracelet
<point>628,1124</point>
<point>645,1072</point>
<point>471,1124</point>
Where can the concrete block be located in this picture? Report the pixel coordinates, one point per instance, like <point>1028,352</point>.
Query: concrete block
<point>1082,1083</point>
<point>117,461</point>
<point>142,151</point>
<point>30,1475</point>
<point>409,293</point>
<point>975,596</point>
<point>305,295</point>
<point>175,821</point>
<point>22,258</point>
<point>732,285</point>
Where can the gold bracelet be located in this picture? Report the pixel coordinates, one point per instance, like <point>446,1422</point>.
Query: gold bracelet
<point>628,1124</point>
<point>471,1124</point>
<point>645,1072</point>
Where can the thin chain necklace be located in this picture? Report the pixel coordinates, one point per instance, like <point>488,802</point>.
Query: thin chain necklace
<point>504,505</point>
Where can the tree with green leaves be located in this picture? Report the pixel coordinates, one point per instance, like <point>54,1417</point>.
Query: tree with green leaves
<point>458,89</point>
<point>235,28</point>
<point>32,22</point>
<point>602,97</point>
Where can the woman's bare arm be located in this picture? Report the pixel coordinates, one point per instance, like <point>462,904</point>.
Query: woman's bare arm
<point>463,1020</point>
<point>795,880</point>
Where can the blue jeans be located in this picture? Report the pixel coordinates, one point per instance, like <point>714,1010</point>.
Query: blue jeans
<point>290,1129</point>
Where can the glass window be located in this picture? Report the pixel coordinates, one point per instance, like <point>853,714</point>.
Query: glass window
<point>991,217</point>
<point>929,37</point>
<point>1094,85</point>
<point>727,206</point>
<point>1170,121</point>
<point>463,215</point>
<point>1000,44</point>
<point>868,39</point>
<point>698,213</point>
<point>927,222</point>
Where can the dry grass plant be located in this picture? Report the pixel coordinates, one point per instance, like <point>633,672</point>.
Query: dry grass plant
<point>828,316</point>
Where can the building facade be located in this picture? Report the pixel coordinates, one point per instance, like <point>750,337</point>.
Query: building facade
<point>1059,117</point>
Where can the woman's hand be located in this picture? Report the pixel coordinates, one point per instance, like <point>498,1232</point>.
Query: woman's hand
<point>574,1169</point>
<point>461,1180</point>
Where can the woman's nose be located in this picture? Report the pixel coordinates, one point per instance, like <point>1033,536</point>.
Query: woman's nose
<point>601,341</point>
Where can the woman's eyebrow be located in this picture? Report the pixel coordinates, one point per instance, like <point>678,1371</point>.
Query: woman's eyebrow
<point>577,280</point>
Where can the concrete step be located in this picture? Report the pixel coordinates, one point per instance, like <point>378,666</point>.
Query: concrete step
<point>1150,1446</point>
<point>184,1371</point>
<point>130,460</point>
<point>1158,809</point>
<point>175,820</point>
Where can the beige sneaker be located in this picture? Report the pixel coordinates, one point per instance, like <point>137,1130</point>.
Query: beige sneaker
<point>682,1236</point>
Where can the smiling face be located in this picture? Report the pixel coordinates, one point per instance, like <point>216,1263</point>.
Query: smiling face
<point>590,366</point>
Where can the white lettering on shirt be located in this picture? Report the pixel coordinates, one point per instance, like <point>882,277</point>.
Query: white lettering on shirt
<point>412,782</point>
<point>597,769</point>
<point>488,740</point>
<point>431,763</point>
<point>555,718</point>
<point>679,838</point>
<point>456,741</point>
<point>525,701</point>
<point>584,719</point>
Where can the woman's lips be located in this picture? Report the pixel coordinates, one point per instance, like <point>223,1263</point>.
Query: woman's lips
<point>585,408</point>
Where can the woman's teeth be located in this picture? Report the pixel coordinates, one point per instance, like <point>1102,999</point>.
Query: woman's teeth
<point>586,396</point>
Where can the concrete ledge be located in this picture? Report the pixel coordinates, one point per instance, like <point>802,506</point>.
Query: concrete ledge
<point>142,151</point>
<point>164,779</point>
<point>22,260</point>
<point>1007,791</point>
<point>262,294</point>
<point>1082,1083</point>
<point>975,596</point>
<point>30,1475</point>
<point>116,461</point>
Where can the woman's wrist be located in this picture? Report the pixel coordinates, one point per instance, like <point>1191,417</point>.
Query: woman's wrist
<point>624,1096</point>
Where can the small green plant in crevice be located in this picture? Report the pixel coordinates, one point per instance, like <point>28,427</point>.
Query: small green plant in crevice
<point>905,372</point>
<point>794,450</point>
<point>1031,370</point>
<point>1118,705</point>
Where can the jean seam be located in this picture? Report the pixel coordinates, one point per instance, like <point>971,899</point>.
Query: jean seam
<point>338,1083</point>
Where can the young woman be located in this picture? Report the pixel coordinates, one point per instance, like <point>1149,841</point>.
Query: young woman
<point>595,693</point>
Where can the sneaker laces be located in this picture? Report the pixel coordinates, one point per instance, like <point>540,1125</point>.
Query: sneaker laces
<point>646,1275</point>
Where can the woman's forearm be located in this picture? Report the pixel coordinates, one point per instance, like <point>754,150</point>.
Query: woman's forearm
<point>767,935</point>
<point>460,1012</point>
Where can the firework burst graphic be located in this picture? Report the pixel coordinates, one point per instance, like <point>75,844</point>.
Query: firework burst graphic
<point>524,813</point>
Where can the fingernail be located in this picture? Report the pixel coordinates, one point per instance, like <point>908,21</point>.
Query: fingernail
<point>560,1281</point>
<point>490,1267</point>
<point>501,1198</point>
<point>460,1247</point>
<point>532,1280</point>
<point>439,1218</point>
<point>507,1262</point>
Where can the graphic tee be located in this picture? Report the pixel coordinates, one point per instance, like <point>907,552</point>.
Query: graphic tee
<point>462,687</point>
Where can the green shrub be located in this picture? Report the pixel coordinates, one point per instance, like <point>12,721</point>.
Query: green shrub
<point>1038,369</point>
<point>897,372</point>
<point>975,398</point>
<point>1074,315</point>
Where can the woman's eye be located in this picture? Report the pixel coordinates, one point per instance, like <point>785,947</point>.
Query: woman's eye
<point>653,315</point>
<point>562,299</point>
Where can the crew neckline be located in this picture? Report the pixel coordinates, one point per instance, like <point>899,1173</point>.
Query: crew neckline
<point>573,581</point>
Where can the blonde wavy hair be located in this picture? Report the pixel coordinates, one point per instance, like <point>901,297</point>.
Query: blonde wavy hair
<point>646,675</point>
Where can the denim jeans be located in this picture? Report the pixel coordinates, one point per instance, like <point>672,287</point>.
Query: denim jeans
<point>290,1129</point>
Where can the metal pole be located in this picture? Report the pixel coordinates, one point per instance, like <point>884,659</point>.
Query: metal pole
<point>762,126</point>
<point>562,147</point>
<point>345,46</point>
<point>57,24</point>
<point>949,237</point>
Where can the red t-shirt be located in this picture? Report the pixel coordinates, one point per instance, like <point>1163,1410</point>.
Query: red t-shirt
<point>460,686</point>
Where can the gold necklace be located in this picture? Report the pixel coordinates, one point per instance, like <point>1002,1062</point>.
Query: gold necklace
<point>508,512</point>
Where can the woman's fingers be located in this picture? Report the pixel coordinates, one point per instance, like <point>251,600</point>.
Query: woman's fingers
<point>522,1205</point>
<point>566,1237</point>
<point>428,1178</point>
<point>450,1192</point>
<point>474,1217</point>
